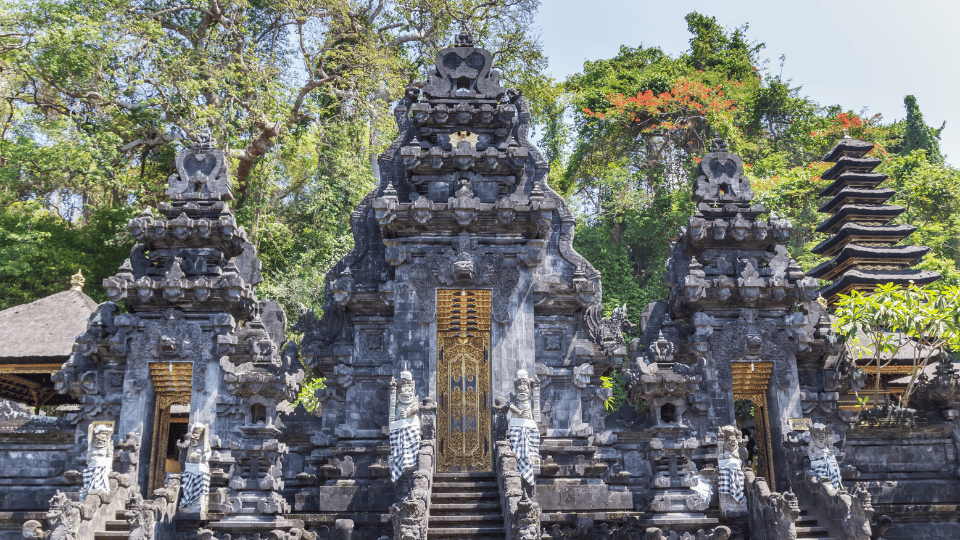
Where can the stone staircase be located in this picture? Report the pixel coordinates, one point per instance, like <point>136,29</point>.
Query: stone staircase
<point>808,528</point>
<point>465,505</point>
<point>116,528</point>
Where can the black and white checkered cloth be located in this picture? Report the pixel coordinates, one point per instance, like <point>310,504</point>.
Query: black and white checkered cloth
<point>525,441</point>
<point>95,478</point>
<point>195,484</point>
<point>731,481</point>
<point>826,466</point>
<point>404,445</point>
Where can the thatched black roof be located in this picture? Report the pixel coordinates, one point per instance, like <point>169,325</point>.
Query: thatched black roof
<point>43,331</point>
<point>35,340</point>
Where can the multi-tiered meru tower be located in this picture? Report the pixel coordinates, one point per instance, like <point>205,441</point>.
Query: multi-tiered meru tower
<point>864,244</point>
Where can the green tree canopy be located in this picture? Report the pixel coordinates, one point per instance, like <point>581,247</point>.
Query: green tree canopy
<point>918,135</point>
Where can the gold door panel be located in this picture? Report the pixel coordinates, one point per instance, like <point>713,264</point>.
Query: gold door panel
<point>750,381</point>
<point>463,381</point>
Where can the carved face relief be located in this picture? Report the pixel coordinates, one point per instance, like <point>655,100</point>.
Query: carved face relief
<point>101,438</point>
<point>202,290</point>
<point>168,345</point>
<point>730,443</point>
<point>422,210</point>
<point>440,113</point>
<point>697,228</point>
<point>820,439</point>
<point>723,293</point>
<point>407,392</point>
<point>196,436</point>
<point>523,391</point>
<point>719,229</point>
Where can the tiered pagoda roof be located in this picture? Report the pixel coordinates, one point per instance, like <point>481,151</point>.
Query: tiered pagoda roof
<point>864,244</point>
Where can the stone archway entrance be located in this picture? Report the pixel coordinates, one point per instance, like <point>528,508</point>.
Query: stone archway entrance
<point>171,384</point>
<point>463,381</point>
<point>750,382</point>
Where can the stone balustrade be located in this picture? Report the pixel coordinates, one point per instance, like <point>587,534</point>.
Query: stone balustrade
<point>152,519</point>
<point>772,515</point>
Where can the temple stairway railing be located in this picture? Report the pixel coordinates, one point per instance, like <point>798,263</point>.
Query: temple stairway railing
<point>521,514</point>
<point>410,515</point>
<point>772,515</point>
<point>848,515</point>
<point>153,518</point>
<point>70,519</point>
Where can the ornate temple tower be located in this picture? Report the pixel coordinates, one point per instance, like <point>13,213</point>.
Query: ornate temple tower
<point>463,273</point>
<point>741,315</point>
<point>194,347</point>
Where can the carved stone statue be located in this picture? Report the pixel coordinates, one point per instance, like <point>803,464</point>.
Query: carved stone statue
<point>404,425</point>
<point>196,470</point>
<point>730,464</point>
<point>823,462</point>
<point>96,475</point>
<point>524,433</point>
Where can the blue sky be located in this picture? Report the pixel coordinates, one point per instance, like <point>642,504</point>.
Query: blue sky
<point>849,52</point>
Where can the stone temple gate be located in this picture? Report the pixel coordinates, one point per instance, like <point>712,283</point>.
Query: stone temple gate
<point>463,341</point>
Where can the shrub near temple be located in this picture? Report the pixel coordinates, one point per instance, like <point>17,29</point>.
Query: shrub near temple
<point>896,321</point>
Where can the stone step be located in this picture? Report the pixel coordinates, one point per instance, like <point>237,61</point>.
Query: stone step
<point>812,531</point>
<point>471,518</point>
<point>444,487</point>
<point>455,481</point>
<point>117,525</point>
<point>484,505</point>
<point>470,475</point>
<point>110,535</point>
<point>462,495</point>
<point>465,532</point>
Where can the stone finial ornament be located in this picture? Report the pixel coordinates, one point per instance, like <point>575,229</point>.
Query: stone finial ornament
<point>464,71</point>
<point>77,281</point>
<point>720,177</point>
<point>730,464</point>
<point>404,425</point>
<point>196,470</point>
<point>823,462</point>
<point>202,173</point>
<point>96,475</point>
<point>524,433</point>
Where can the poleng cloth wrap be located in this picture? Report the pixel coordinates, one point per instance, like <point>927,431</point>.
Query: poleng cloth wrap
<point>404,445</point>
<point>196,483</point>
<point>525,441</point>
<point>826,466</point>
<point>731,479</point>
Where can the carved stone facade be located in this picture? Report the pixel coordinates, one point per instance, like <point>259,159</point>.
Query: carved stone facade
<point>463,273</point>
<point>463,315</point>
<point>192,346</point>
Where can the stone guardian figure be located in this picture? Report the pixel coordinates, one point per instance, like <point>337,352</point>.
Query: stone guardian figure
<point>524,433</point>
<point>196,470</point>
<point>730,465</point>
<point>96,475</point>
<point>821,454</point>
<point>404,425</point>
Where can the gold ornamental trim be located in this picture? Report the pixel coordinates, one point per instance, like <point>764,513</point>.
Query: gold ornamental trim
<point>27,369</point>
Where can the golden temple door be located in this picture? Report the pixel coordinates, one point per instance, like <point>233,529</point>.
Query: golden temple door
<point>463,381</point>
<point>750,381</point>
<point>171,382</point>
